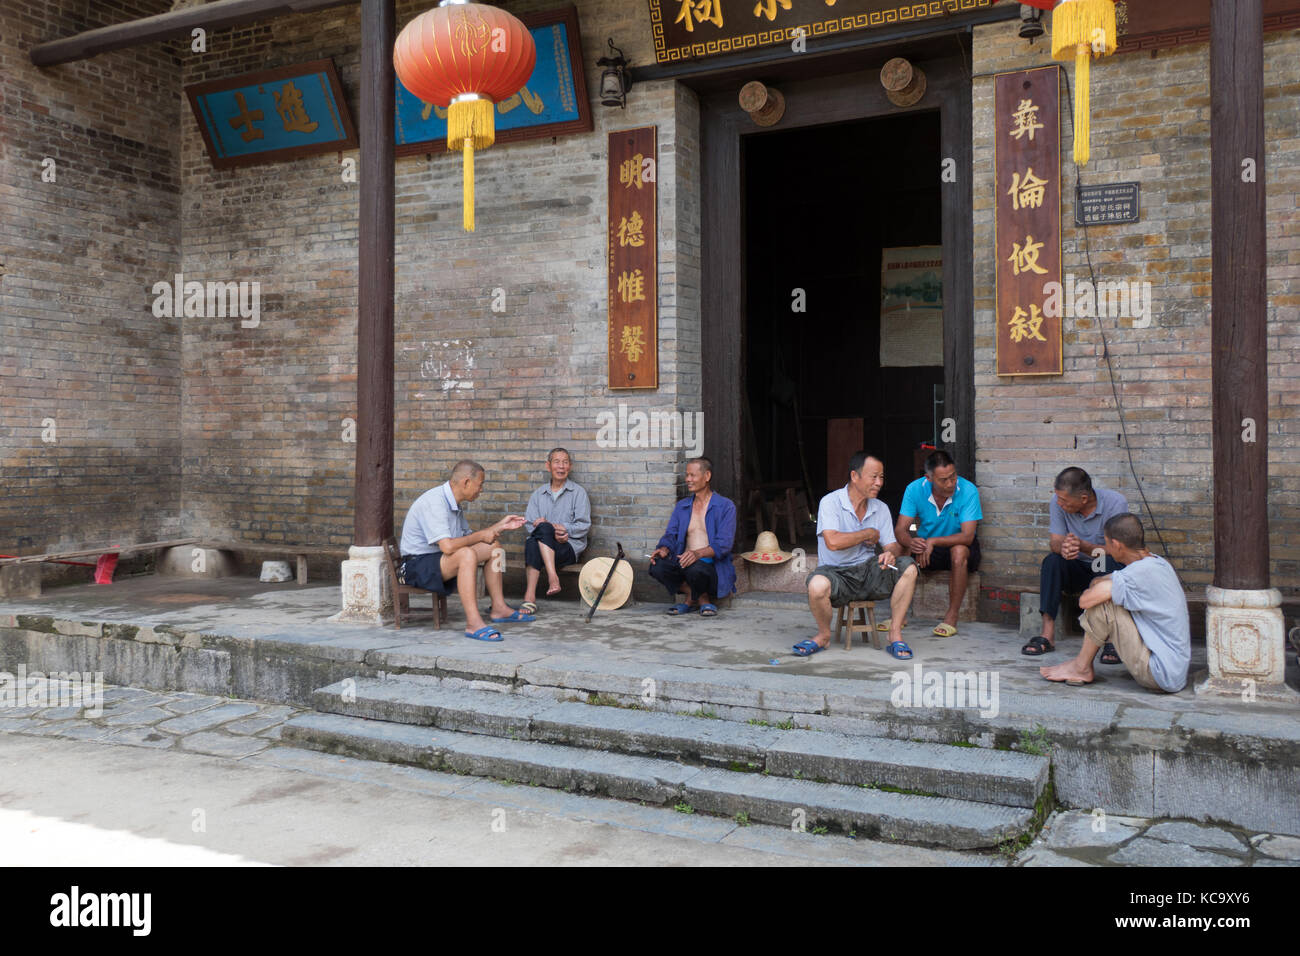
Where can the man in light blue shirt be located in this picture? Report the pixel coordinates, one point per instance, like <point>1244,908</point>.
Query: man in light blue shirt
<point>946,512</point>
<point>851,522</point>
<point>1078,513</point>
<point>557,520</point>
<point>440,552</point>
<point>1141,609</point>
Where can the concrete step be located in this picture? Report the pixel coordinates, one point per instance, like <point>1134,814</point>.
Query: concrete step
<point>907,818</point>
<point>964,773</point>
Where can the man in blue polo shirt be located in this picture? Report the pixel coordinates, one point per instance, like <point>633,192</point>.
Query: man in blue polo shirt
<point>851,522</point>
<point>1078,516</point>
<point>440,552</point>
<point>946,512</point>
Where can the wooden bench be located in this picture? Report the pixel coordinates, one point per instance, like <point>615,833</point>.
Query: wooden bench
<point>299,552</point>
<point>20,575</point>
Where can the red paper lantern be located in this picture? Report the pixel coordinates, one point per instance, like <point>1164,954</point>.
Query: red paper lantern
<point>465,57</point>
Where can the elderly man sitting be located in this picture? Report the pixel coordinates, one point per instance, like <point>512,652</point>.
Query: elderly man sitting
<point>439,552</point>
<point>695,550</point>
<point>850,523</point>
<point>1141,609</point>
<point>557,520</point>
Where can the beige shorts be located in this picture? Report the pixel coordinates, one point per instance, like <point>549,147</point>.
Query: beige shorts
<point>1109,623</point>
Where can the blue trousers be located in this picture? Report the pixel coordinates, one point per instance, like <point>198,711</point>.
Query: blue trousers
<point>701,577</point>
<point>1060,576</point>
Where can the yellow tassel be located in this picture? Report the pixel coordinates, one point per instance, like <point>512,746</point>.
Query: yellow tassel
<point>1083,28</point>
<point>467,199</point>
<point>1077,21</point>
<point>470,127</point>
<point>1082,113</point>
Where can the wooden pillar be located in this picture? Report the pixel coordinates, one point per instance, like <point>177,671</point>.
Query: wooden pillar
<point>1244,630</point>
<point>373,517</point>
<point>1238,298</point>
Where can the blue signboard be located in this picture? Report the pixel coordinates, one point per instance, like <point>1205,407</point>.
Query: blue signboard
<point>273,115</point>
<point>553,101</point>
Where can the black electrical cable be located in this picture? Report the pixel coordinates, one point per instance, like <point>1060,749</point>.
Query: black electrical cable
<point>1105,347</point>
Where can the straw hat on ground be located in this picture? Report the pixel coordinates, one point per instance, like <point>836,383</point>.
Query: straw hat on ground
<point>593,576</point>
<point>767,550</point>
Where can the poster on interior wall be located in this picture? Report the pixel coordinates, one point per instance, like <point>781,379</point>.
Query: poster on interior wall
<point>686,29</point>
<point>273,115</point>
<point>552,103</point>
<point>911,306</point>
<point>633,261</point>
<point>1027,218</point>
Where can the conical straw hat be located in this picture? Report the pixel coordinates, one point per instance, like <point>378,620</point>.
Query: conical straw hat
<point>593,576</point>
<point>767,550</point>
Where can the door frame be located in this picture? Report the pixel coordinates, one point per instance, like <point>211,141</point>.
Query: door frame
<point>814,101</point>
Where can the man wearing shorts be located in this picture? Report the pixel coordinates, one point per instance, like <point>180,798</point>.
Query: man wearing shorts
<point>946,512</point>
<point>851,522</point>
<point>439,552</point>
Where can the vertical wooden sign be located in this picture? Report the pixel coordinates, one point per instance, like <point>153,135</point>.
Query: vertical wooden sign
<point>633,266</point>
<point>1027,200</point>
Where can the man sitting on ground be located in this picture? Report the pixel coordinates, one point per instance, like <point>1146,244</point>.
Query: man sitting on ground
<point>440,552</point>
<point>557,520</point>
<point>1078,514</point>
<point>946,510</point>
<point>851,522</point>
<point>1141,609</point>
<point>696,548</point>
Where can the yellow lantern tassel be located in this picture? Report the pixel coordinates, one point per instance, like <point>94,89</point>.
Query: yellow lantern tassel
<point>469,127</point>
<point>1083,29</point>
<point>1082,111</point>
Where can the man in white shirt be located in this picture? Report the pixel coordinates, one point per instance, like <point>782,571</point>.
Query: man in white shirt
<point>439,551</point>
<point>851,522</point>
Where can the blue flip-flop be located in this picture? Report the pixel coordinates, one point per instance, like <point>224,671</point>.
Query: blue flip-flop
<point>514,618</point>
<point>897,649</point>
<point>708,610</point>
<point>807,648</point>
<point>485,634</point>
<point>679,609</point>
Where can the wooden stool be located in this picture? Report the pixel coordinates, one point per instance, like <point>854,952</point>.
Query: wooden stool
<point>861,620</point>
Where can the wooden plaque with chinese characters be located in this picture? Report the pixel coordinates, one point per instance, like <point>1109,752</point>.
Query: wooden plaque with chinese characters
<point>1027,199</point>
<point>633,269</point>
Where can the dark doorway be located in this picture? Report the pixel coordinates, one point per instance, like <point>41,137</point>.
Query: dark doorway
<point>821,205</point>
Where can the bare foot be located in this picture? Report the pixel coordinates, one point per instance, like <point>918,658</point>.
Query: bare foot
<point>553,587</point>
<point>1069,671</point>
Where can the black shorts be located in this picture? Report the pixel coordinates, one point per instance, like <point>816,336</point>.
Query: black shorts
<point>941,558</point>
<point>425,571</point>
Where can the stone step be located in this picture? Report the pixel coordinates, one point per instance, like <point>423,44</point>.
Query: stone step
<point>782,801</point>
<point>965,773</point>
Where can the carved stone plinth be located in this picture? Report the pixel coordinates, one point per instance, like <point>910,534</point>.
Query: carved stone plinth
<point>367,596</point>
<point>1245,644</point>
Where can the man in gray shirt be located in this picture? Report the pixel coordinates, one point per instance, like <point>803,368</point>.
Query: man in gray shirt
<point>557,520</point>
<point>1140,608</point>
<point>1078,513</point>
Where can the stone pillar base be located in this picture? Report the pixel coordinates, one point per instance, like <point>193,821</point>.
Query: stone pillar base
<point>367,595</point>
<point>1245,646</point>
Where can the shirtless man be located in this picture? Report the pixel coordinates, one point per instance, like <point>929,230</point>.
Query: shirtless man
<point>696,548</point>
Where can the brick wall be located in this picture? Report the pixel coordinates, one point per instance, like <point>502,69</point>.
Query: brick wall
<point>1150,123</point>
<point>263,451</point>
<point>79,343</point>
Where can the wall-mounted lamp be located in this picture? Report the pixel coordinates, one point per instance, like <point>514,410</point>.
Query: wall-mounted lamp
<point>614,81</point>
<point>1031,22</point>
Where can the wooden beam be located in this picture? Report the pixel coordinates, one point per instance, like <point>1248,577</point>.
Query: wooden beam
<point>1238,295</point>
<point>165,26</point>
<point>373,501</point>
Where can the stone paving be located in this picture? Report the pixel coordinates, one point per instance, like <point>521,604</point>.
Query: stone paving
<point>236,729</point>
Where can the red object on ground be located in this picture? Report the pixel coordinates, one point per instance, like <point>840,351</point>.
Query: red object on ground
<point>104,568</point>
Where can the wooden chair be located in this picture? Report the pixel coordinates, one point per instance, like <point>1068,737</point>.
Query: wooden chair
<point>861,620</point>
<point>402,591</point>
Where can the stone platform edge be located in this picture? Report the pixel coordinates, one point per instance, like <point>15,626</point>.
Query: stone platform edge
<point>1124,759</point>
